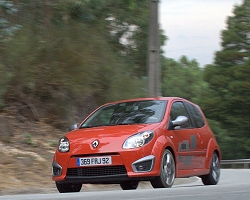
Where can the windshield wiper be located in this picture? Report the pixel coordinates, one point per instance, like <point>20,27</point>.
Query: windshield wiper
<point>106,125</point>
<point>90,126</point>
<point>126,123</point>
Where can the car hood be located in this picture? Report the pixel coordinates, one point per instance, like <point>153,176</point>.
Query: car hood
<point>110,138</point>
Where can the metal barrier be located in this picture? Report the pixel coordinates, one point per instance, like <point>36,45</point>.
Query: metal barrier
<point>239,163</point>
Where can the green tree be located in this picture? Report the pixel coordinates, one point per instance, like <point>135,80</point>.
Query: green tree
<point>228,97</point>
<point>67,57</point>
<point>182,78</point>
<point>126,22</point>
<point>7,29</point>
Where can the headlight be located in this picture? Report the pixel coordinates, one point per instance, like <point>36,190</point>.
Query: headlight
<point>63,145</point>
<point>138,140</point>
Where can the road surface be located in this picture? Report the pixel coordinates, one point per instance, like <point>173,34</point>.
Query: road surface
<point>234,185</point>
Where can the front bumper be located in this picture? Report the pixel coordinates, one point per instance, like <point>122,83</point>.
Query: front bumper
<point>141,169</point>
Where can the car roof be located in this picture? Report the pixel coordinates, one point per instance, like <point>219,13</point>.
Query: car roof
<point>148,98</point>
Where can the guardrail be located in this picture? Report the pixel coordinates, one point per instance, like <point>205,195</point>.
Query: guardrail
<point>239,163</point>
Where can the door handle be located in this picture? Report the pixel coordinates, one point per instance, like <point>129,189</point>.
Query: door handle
<point>199,138</point>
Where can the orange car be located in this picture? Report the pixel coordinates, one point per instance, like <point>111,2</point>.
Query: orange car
<point>146,139</point>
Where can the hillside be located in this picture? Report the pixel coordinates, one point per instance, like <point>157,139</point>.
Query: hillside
<point>26,155</point>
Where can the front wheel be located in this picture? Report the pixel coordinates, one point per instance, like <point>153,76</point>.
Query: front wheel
<point>167,172</point>
<point>129,185</point>
<point>68,187</point>
<point>214,175</point>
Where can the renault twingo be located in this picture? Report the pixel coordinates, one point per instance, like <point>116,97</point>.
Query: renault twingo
<point>146,139</point>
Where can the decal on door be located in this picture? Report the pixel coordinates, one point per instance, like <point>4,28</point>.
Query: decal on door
<point>185,146</point>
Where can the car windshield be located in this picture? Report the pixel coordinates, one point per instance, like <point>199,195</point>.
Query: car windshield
<point>134,112</point>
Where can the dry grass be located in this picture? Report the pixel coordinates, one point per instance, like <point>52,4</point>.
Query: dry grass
<point>25,162</point>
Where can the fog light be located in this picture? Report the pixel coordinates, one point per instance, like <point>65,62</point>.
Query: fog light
<point>145,164</point>
<point>56,169</point>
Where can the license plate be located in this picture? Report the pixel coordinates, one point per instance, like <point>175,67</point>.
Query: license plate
<point>93,161</point>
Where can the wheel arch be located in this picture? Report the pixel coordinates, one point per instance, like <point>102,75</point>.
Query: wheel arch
<point>160,146</point>
<point>212,147</point>
<point>173,153</point>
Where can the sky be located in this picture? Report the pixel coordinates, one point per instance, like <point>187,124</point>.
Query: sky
<point>193,27</point>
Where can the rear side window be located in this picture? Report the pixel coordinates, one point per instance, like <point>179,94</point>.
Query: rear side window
<point>196,115</point>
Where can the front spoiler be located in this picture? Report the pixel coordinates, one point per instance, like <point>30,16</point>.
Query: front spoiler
<point>114,179</point>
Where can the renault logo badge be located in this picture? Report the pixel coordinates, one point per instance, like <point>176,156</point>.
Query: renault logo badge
<point>95,144</point>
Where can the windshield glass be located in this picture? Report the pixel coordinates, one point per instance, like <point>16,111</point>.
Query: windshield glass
<point>134,112</point>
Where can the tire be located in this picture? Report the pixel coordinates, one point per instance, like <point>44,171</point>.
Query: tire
<point>167,172</point>
<point>129,185</point>
<point>68,187</point>
<point>214,175</point>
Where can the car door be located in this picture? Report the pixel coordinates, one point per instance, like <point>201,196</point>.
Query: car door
<point>203,136</point>
<point>184,138</point>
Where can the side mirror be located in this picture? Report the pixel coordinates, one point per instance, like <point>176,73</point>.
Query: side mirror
<point>179,121</point>
<point>73,127</point>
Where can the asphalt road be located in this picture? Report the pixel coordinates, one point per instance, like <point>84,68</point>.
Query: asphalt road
<point>234,185</point>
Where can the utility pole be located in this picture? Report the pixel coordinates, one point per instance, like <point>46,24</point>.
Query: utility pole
<point>154,72</point>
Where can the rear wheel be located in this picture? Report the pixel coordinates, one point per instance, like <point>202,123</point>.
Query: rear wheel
<point>214,175</point>
<point>167,172</point>
<point>68,187</point>
<point>129,185</point>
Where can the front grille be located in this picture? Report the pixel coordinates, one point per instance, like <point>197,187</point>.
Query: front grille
<point>97,171</point>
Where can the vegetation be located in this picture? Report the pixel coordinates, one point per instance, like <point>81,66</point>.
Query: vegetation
<point>60,59</point>
<point>68,56</point>
<point>182,78</point>
<point>227,99</point>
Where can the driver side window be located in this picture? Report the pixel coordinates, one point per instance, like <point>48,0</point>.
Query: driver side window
<point>178,109</point>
